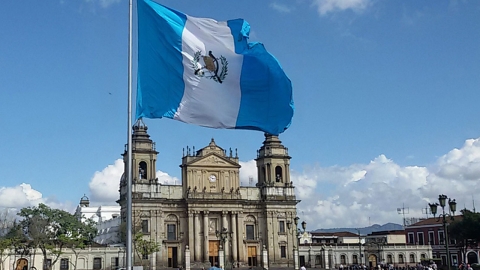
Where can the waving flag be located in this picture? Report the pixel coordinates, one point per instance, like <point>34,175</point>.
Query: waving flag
<point>204,72</point>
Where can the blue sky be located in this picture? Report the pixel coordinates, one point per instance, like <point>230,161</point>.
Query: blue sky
<point>386,96</point>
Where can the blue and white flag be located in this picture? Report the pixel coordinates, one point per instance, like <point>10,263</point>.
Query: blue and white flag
<point>205,72</point>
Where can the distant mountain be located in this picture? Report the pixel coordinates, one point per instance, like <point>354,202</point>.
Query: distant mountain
<point>366,230</point>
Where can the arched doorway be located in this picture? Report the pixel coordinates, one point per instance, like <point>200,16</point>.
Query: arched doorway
<point>472,257</point>
<point>372,260</point>
<point>22,264</point>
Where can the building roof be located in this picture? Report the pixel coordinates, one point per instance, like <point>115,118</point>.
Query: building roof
<point>396,232</point>
<point>333,234</point>
<point>433,221</point>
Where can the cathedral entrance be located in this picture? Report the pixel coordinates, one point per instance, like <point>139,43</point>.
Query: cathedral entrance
<point>372,260</point>
<point>22,264</point>
<point>252,256</point>
<point>172,257</point>
<point>213,247</point>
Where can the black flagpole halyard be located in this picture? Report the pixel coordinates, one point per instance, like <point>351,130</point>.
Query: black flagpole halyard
<point>129,252</point>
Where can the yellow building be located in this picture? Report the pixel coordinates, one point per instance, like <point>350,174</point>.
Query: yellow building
<point>211,214</point>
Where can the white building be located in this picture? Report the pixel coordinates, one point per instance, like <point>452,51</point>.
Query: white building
<point>107,219</point>
<point>330,250</point>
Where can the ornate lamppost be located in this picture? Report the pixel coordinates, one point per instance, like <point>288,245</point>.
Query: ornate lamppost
<point>452,205</point>
<point>298,232</point>
<point>223,235</point>
<point>359,261</point>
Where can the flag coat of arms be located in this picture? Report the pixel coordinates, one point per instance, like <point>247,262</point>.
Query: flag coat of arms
<point>204,72</point>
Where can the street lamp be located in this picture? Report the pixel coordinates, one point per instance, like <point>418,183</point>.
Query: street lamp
<point>223,235</point>
<point>299,232</point>
<point>359,247</point>
<point>452,205</point>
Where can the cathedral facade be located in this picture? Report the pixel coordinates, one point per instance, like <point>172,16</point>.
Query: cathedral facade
<point>211,215</point>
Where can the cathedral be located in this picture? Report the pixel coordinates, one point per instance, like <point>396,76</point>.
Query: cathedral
<point>211,216</point>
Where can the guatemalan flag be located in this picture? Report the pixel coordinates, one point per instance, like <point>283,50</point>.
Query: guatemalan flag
<point>205,72</point>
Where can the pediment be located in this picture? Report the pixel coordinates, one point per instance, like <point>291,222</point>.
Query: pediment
<point>213,160</point>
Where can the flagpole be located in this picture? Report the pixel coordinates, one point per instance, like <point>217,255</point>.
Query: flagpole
<point>129,252</point>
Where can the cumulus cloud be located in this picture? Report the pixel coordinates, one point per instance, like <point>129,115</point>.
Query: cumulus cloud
<point>104,184</point>
<point>280,7</point>
<point>166,179</point>
<point>20,196</point>
<point>327,6</point>
<point>248,173</point>
<point>357,195</point>
<point>363,194</point>
<point>103,3</point>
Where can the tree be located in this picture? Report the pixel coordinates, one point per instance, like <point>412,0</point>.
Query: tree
<point>466,231</point>
<point>50,230</point>
<point>80,237</point>
<point>142,245</point>
<point>7,223</point>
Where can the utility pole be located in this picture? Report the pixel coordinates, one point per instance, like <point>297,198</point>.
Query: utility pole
<point>426,210</point>
<point>403,211</point>
<point>359,247</point>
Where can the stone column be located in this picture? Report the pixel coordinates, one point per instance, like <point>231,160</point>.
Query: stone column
<point>326,258</point>
<point>197,252</point>
<point>234,236</point>
<point>191,233</point>
<point>221,258</point>
<point>295,258</point>
<point>265,258</point>
<point>205,236</point>
<point>268,172</point>
<point>187,258</point>
<point>311,257</point>
<point>225,225</point>
<point>287,173</point>
<point>241,246</point>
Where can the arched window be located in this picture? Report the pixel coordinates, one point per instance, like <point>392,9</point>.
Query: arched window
<point>250,227</point>
<point>278,174</point>
<point>389,258</point>
<point>401,259</point>
<point>423,256</point>
<point>171,222</point>
<point>355,259</point>
<point>343,259</point>
<point>264,175</point>
<point>142,170</point>
<point>412,258</point>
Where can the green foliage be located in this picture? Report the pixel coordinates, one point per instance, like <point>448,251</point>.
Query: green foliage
<point>50,230</point>
<point>467,230</point>
<point>144,247</point>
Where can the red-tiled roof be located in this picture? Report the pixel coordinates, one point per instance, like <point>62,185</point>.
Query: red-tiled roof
<point>388,232</point>
<point>337,234</point>
<point>434,221</point>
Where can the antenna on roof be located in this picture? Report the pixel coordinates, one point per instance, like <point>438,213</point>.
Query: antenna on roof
<point>426,210</point>
<point>473,201</point>
<point>403,211</point>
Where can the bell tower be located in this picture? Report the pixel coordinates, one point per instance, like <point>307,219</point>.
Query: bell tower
<point>144,155</point>
<point>273,163</point>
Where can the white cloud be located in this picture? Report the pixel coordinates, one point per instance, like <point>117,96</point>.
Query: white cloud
<point>281,7</point>
<point>20,196</point>
<point>326,6</point>
<point>104,185</point>
<point>103,3</point>
<point>363,194</point>
<point>357,195</point>
<point>166,179</point>
<point>247,171</point>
